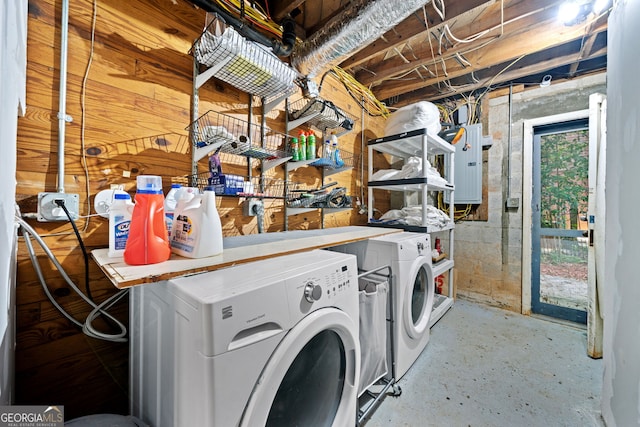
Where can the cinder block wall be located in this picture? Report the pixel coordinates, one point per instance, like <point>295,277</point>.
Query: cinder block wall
<point>488,254</point>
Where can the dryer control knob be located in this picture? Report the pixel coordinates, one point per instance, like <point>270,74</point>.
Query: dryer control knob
<point>312,292</point>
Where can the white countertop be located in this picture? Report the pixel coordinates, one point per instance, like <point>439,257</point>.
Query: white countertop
<point>237,250</point>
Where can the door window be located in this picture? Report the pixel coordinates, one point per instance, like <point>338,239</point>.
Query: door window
<point>419,296</point>
<point>311,390</point>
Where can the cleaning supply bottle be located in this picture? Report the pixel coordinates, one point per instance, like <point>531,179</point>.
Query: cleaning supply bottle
<point>148,242</point>
<point>302,144</point>
<point>120,212</point>
<point>311,145</point>
<point>336,159</point>
<point>197,227</point>
<point>295,149</point>
<point>170,202</point>
<point>185,194</point>
<point>327,154</point>
<point>334,139</point>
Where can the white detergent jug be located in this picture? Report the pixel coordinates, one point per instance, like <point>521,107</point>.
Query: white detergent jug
<point>170,202</point>
<point>197,230</point>
<point>120,212</point>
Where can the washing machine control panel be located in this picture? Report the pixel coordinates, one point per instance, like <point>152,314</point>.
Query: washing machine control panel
<point>312,291</point>
<point>324,286</point>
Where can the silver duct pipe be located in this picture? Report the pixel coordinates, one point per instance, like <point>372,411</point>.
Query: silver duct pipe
<point>62,108</point>
<point>362,22</point>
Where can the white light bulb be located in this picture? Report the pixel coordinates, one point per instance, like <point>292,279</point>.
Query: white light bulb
<point>599,6</point>
<point>568,11</point>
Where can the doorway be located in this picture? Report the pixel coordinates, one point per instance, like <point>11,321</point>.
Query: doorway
<point>559,227</point>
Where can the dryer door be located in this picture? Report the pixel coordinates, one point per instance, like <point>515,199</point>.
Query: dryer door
<point>418,299</point>
<point>311,378</point>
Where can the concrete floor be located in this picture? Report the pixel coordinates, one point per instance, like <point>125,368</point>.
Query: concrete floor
<point>489,367</point>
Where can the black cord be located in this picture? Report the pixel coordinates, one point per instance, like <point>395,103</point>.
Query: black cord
<point>359,102</point>
<point>330,71</point>
<point>60,202</point>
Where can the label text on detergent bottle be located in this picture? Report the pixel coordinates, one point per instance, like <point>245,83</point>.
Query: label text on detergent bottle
<point>121,232</point>
<point>182,233</point>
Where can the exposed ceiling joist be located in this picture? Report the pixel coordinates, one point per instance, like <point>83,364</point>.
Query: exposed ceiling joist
<point>427,57</point>
<point>282,8</point>
<point>407,29</point>
<point>517,15</point>
<point>432,93</point>
<point>550,33</point>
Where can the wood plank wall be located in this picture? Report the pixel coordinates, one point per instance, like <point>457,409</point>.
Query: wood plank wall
<point>129,118</point>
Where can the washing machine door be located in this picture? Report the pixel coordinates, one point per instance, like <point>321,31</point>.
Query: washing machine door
<point>311,378</point>
<point>418,298</point>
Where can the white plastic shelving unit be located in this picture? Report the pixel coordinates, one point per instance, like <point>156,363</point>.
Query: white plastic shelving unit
<point>419,143</point>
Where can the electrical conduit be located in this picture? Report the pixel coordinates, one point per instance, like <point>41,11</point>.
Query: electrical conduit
<point>62,108</point>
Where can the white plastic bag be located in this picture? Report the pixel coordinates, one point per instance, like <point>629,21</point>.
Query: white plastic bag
<point>420,115</point>
<point>373,332</point>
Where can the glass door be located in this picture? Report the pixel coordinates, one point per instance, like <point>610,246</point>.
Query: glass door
<point>559,223</point>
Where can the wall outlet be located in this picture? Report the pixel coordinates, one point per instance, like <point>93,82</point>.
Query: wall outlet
<point>48,210</point>
<point>513,203</point>
<point>253,205</point>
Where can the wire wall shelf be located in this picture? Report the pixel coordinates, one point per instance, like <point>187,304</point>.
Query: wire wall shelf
<point>298,196</point>
<point>320,114</point>
<point>345,160</point>
<point>243,64</point>
<point>236,185</point>
<point>217,132</point>
<point>168,142</point>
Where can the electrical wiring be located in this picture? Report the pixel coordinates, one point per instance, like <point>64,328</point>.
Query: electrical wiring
<point>473,105</point>
<point>447,32</point>
<point>440,61</point>
<point>439,11</point>
<point>458,214</point>
<point>462,59</point>
<point>83,93</point>
<point>359,93</point>
<point>255,14</point>
<point>87,328</point>
<point>488,86</point>
<point>84,250</point>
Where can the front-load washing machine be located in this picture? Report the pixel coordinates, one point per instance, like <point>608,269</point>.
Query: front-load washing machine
<point>267,343</point>
<point>412,290</point>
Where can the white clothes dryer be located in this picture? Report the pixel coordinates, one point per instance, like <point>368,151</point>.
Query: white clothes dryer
<point>412,290</point>
<point>267,343</point>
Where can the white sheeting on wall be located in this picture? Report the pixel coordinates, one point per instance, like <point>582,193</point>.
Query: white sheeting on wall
<point>13,63</point>
<point>621,342</point>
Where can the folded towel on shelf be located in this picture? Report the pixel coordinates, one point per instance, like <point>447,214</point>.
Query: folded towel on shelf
<point>384,174</point>
<point>434,177</point>
<point>412,215</point>
<point>411,169</point>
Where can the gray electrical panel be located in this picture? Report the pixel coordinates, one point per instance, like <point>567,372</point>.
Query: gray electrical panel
<point>468,167</point>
